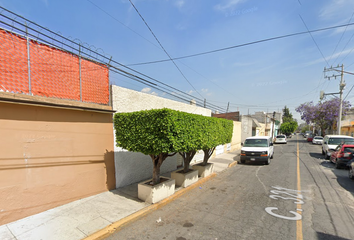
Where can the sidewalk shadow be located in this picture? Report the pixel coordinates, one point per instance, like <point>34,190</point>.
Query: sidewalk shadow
<point>321,235</point>
<point>341,174</point>
<point>130,192</point>
<point>323,162</point>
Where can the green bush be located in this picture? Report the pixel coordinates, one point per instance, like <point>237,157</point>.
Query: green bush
<point>160,132</point>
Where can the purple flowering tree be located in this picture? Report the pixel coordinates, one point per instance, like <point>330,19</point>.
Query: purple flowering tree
<point>323,114</point>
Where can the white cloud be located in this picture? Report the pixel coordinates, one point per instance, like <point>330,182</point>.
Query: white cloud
<point>334,56</point>
<point>206,92</point>
<point>180,3</point>
<point>146,90</point>
<point>337,9</point>
<point>227,5</point>
<point>149,91</point>
<point>190,92</point>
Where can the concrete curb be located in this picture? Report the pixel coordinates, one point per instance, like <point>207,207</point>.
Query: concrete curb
<point>116,226</point>
<point>233,164</point>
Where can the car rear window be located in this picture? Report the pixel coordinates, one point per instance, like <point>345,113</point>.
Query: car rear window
<point>348,149</point>
<point>336,141</point>
<point>280,136</point>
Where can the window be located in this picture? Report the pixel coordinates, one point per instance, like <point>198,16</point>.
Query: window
<point>256,143</point>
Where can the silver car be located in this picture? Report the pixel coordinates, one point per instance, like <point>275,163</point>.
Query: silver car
<point>317,140</point>
<point>280,139</point>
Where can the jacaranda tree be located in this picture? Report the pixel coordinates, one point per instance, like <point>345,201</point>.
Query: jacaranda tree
<point>323,114</point>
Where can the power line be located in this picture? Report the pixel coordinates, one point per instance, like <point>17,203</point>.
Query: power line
<point>147,25</point>
<point>341,40</point>
<point>314,40</point>
<point>242,45</point>
<point>122,23</point>
<point>110,63</point>
<point>348,93</point>
<point>155,45</point>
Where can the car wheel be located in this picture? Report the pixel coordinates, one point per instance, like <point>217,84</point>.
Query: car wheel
<point>350,174</point>
<point>267,162</point>
<point>243,161</point>
<point>327,157</point>
<point>323,153</point>
<point>271,157</point>
<point>336,165</point>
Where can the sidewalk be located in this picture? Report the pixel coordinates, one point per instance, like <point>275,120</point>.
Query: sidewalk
<point>84,217</point>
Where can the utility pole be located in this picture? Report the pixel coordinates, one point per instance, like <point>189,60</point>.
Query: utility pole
<point>273,126</point>
<point>341,88</point>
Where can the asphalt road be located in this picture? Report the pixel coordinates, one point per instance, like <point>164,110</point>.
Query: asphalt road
<point>298,196</point>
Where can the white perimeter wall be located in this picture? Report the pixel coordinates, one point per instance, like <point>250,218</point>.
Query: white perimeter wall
<point>134,167</point>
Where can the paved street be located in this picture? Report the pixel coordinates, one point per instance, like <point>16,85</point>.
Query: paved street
<point>251,201</point>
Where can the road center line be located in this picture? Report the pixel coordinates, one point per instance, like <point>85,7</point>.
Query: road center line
<point>299,210</point>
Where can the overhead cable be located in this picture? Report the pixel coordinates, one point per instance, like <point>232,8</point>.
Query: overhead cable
<point>147,25</point>
<point>244,44</point>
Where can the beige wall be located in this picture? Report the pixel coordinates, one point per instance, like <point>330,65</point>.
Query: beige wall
<point>51,156</point>
<point>236,137</point>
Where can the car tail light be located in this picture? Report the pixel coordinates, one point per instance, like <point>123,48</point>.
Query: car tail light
<point>346,155</point>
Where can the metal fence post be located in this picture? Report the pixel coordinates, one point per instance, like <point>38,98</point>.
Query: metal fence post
<point>80,72</point>
<point>28,62</point>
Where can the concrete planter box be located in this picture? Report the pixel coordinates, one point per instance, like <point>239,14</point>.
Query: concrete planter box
<point>185,179</point>
<point>204,171</point>
<point>158,192</point>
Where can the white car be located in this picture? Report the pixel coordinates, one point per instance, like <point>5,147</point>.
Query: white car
<point>330,142</point>
<point>257,149</point>
<point>317,140</point>
<point>280,139</point>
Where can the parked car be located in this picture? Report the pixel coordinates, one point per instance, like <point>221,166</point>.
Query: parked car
<point>342,155</point>
<point>280,139</point>
<point>310,137</point>
<point>351,170</point>
<point>257,149</point>
<point>330,143</point>
<point>317,140</point>
<point>307,133</point>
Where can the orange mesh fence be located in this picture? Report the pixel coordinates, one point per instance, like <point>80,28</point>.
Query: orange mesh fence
<point>54,73</point>
<point>13,63</point>
<point>94,82</point>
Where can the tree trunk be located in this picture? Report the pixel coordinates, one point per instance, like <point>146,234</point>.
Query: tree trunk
<point>207,155</point>
<point>156,169</point>
<point>187,158</point>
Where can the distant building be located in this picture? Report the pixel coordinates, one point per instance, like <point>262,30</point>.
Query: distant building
<point>234,116</point>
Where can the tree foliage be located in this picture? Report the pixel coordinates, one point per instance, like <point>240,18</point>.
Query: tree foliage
<point>159,132</point>
<point>287,116</point>
<point>323,114</point>
<point>288,127</point>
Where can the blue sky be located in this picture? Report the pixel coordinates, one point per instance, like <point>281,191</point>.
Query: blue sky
<point>259,77</point>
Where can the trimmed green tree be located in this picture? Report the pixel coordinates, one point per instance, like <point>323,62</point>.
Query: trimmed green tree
<point>150,132</point>
<point>161,133</point>
<point>218,131</point>
<point>204,133</point>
